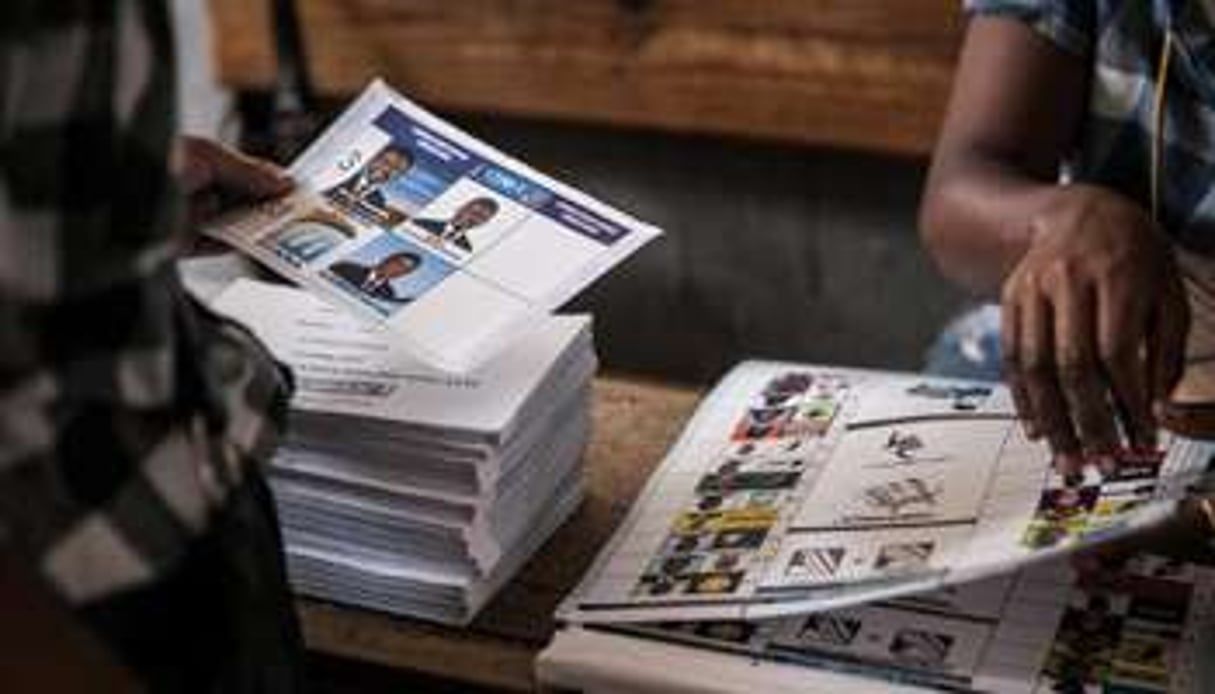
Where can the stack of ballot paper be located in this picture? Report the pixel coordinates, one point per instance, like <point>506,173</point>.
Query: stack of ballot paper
<point>440,410</point>
<point>408,489</point>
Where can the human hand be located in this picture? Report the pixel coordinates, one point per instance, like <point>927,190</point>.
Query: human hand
<point>215,178</point>
<point>1094,320</point>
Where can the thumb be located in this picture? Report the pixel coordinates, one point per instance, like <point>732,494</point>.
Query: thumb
<point>208,164</point>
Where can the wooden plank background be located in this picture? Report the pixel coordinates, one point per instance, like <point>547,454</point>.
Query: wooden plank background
<point>868,74</point>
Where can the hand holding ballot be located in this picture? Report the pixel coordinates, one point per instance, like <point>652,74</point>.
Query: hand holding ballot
<point>1094,325</point>
<point>799,489</point>
<point>216,178</point>
<point>410,223</point>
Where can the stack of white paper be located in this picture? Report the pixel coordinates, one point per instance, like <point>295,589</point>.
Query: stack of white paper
<point>407,489</point>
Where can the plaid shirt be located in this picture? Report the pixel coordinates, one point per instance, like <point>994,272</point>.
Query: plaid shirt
<point>127,412</point>
<point>1122,41</point>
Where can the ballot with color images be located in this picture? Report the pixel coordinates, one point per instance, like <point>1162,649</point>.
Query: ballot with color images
<point>408,222</point>
<point>866,531</point>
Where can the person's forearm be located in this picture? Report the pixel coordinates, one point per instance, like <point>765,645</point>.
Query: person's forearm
<point>977,218</point>
<point>1013,117</point>
<point>44,649</point>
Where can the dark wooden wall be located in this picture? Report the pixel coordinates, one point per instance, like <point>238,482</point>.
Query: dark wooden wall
<point>867,74</point>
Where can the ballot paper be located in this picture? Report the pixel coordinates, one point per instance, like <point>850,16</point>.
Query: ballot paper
<point>1146,627</point>
<point>798,489</point>
<point>397,582</point>
<point>463,536</point>
<point>409,222</point>
<point>345,367</point>
<point>404,488</point>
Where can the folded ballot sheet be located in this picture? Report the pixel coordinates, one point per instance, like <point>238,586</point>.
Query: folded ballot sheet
<point>404,488</point>
<point>410,223</point>
<point>874,531</point>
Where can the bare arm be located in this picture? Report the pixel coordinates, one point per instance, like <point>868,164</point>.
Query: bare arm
<point>1094,316</point>
<point>1016,105</point>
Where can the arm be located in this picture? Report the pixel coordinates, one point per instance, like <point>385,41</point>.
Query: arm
<point>1016,105</point>
<point>1094,315</point>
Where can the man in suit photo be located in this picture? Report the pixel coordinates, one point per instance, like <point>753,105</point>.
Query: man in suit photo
<point>454,230</point>
<point>363,192</point>
<point>376,280</point>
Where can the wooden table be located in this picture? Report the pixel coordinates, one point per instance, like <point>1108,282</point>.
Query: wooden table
<point>634,424</point>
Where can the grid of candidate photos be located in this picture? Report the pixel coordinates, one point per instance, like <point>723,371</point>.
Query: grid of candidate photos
<point>1136,634</point>
<point>779,459</point>
<point>405,210</point>
<point>1089,500</point>
<point>718,541</point>
<point>1042,630</point>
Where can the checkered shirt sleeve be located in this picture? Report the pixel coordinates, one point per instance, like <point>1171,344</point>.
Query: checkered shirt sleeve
<point>127,412</point>
<point>1069,24</point>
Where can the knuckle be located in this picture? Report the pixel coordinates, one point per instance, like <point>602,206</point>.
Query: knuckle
<point>1010,290</point>
<point>1110,267</point>
<point>1034,283</point>
<point>1041,226</point>
<point>1116,260</point>
<point>1058,273</point>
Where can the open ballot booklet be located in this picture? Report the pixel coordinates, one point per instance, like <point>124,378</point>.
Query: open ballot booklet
<point>869,531</point>
<point>411,223</point>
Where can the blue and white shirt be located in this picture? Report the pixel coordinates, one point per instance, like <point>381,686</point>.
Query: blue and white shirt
<point>1123,42</point>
